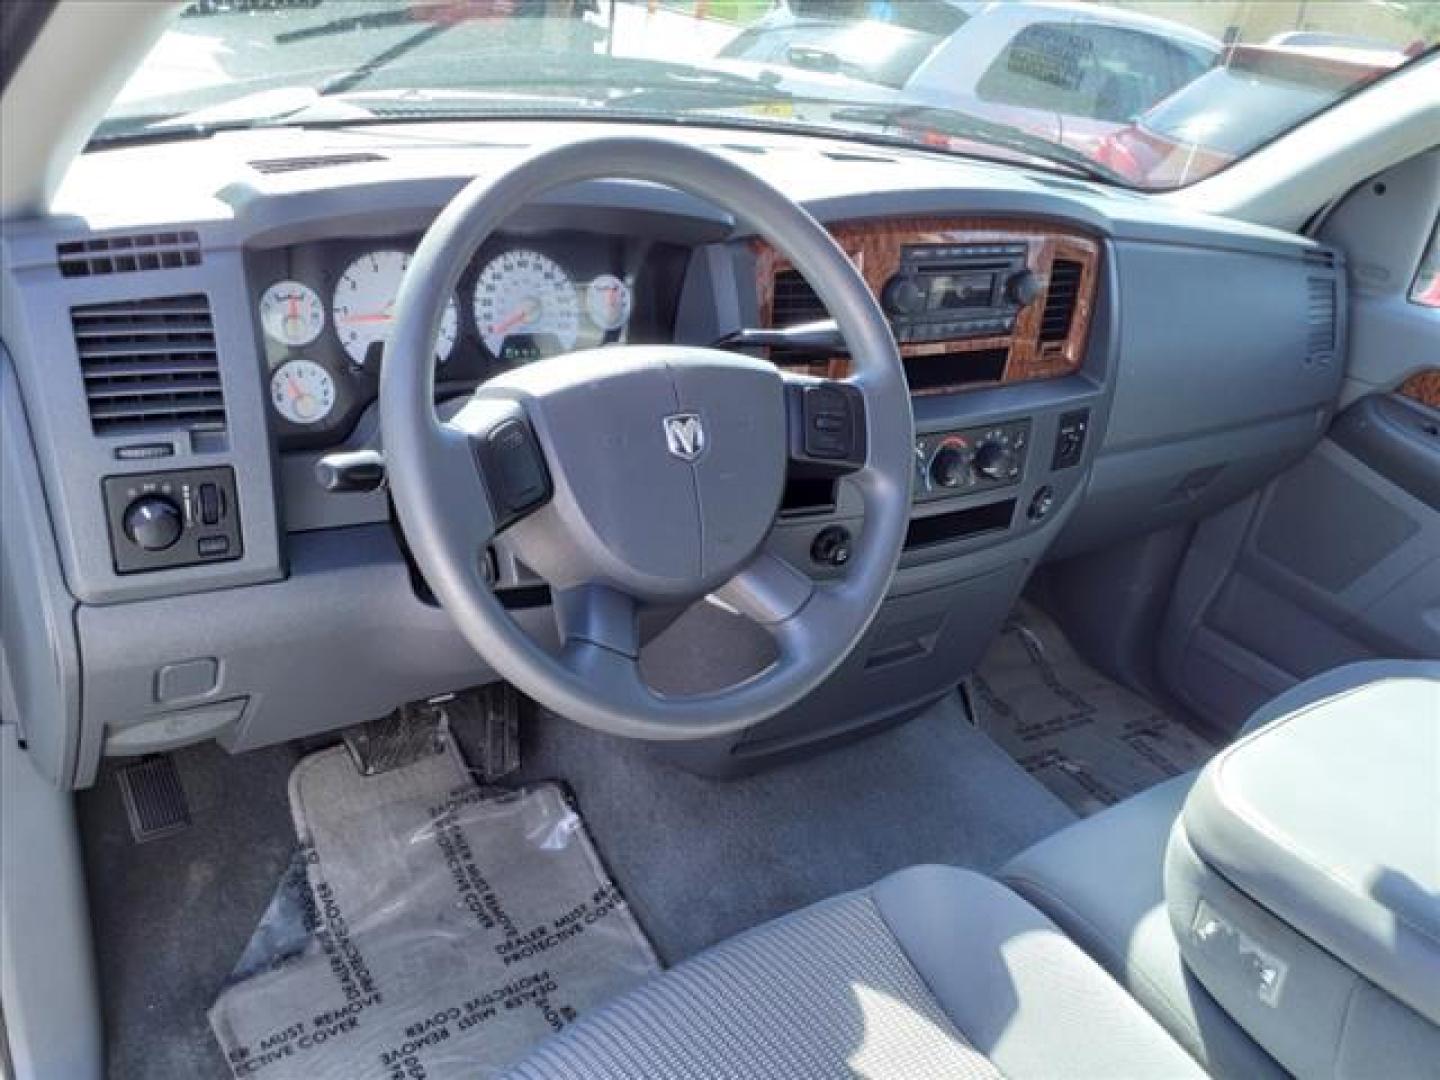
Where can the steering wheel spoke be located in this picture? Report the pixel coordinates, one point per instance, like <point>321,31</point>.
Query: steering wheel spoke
<point>598,615</point>
<point>827,432</point>
<point>769,590</point>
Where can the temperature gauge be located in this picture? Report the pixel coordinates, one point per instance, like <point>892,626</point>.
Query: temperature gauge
<point>302,391</point>
<point>292,313</point>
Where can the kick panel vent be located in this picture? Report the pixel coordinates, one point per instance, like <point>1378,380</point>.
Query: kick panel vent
<point>150,365</point>
<point>1060,299</point>
<point>271,166</point>
<point>128,254</point>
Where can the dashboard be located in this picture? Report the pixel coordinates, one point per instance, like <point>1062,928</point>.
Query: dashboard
<point>323,312</point>
<point>182,366</point>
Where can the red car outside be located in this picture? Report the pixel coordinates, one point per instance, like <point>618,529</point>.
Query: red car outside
<point>1256,92</point>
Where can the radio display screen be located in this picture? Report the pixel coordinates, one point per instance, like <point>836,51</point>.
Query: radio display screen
<point>946,292</point>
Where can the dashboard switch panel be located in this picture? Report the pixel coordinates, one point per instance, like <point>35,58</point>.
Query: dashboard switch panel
<point>1070,439</point>
<point>965,462</point>
<point>162,520</point>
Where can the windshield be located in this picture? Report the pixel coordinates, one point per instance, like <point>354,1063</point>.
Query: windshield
<point>1073,86</point>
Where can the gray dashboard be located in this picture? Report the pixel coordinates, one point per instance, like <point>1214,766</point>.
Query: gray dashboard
<point>1214,359</point>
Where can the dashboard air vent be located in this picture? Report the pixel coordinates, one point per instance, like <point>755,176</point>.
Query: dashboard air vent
<point>1060,300</point>
<point>149,365</point>
<point>1320,315</point>
<point>128,254</point>
<point>319,161</point>
<point>795,303</point>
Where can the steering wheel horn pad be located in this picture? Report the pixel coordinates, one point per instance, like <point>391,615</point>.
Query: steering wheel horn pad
<point>668,464</point>
<point>631,475</point>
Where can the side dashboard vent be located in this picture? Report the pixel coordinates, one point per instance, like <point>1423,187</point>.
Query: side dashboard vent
<point>128,254</point>
<point>1321,304</point>
<point>272,166</point>
<point>1060,298</point>
<point>150,365</point>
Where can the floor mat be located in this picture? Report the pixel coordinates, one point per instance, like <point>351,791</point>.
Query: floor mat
<point>450,928</point>
<point>1089,740</point>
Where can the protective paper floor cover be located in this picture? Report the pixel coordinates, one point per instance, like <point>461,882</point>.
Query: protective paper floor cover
<point>451,929</point>
<point>1090,741</point>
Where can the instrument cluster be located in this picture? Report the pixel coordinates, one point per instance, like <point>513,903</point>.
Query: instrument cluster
<point>325,310</point>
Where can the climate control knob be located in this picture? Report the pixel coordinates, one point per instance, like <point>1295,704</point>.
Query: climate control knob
<point>995,460</point>
<point>950,466</point>
<point>153,522</point>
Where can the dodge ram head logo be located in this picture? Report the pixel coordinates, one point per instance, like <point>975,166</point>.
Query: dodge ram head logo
<point>684,435</point>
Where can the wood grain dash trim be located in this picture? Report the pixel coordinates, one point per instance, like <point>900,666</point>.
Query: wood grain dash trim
<point>875,247</point>
<point>1424,387</point>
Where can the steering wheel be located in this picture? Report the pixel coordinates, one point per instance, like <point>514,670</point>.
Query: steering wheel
<point>635,475</point>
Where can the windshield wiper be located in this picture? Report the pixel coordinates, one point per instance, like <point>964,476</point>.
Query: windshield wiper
<point>958,125</point>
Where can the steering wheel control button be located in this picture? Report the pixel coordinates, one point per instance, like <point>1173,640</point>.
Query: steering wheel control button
<point>831,419</point>
<point>515,472</point>
<point>159,521</point>
<point>831,546</point>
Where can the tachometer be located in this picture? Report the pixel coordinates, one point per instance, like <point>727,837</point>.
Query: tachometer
<point>364,307</point>
<point>292,313</point>
<point>302,391</point>
<point>525,306</point>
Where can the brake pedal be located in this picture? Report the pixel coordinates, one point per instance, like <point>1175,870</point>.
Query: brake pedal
<point>154,799</point>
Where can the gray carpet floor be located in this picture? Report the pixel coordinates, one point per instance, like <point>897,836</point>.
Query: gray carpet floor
<point>699,859</point>
<point>172,916</point>
<point>702,859</point>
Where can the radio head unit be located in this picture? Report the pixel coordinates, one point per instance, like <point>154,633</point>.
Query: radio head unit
<point>943,292</point>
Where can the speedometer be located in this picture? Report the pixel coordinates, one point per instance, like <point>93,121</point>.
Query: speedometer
<point>364,307</point>
<point>525,306</point>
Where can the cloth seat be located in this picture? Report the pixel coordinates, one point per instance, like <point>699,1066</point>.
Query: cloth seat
<point>1102,881</point>
<point>932,972</point>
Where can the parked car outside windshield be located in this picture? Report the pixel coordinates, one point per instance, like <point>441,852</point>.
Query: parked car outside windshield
<point>1050,85</point>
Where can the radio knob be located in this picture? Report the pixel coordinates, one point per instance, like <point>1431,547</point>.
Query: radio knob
<point>903,296</point>
<point>949,467</point>
<point>152,522</point>
<point>994,460</point>
<point>1024,287</point>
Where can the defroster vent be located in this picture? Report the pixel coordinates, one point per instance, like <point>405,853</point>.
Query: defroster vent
<point>149,365</point>
<point>128,254</point>
<point>1060,298</point>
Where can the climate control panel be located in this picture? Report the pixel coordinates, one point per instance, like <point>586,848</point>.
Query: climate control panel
<point>166,519</point>
<point>965,462</point>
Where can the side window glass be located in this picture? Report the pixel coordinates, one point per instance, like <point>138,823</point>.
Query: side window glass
<point>1425,290</point>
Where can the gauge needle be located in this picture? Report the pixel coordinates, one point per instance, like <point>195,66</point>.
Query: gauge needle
<point>368,317</point>
<point>295,392</point>
<point>521,314</point>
